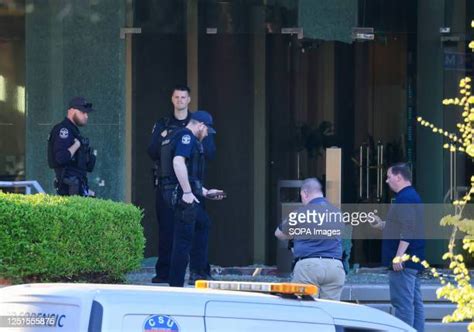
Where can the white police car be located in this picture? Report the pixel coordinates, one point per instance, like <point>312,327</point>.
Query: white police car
<point>212,306</point>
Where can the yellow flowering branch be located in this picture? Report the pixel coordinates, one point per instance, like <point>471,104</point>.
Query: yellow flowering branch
<point>461,291</point>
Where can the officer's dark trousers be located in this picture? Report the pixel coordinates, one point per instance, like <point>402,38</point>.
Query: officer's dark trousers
<point>198,260</point>
<point>192,237</point>
<point>165,238</point>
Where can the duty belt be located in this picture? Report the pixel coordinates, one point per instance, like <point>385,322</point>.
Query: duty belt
<point>167,180</point>
<point>196,185</point>
<point>170,186</point>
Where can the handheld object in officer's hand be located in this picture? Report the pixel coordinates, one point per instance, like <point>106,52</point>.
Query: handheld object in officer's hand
<point>217,195</point>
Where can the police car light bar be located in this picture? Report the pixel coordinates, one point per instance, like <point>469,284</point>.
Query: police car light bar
<point>264,287</point>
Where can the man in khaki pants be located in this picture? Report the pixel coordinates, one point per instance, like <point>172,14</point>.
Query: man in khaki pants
<point>317,242</point>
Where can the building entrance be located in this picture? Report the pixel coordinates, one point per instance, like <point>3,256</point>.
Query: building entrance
<point>279,100</point>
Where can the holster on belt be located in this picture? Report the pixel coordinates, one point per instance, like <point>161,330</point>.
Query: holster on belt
<point>186,212</point>
<point>74,185</point>
<point>155,171</point>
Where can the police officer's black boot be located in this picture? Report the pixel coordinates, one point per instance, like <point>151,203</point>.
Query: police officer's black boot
<point>193,276</point>
<point>198,275</point>
<point>159,280</point>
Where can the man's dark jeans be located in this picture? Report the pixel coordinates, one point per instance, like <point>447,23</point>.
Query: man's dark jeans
<point>406,297</point>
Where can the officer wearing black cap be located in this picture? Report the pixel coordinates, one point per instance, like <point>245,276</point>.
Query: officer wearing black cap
<point>182,163</point>
<point>162,130</point>
<point>69,153</point>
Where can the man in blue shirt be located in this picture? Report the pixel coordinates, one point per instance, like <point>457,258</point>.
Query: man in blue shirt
<point>180,98</point>
<point>318,258</point>
<point>182,164</point>
<point>403,234</point>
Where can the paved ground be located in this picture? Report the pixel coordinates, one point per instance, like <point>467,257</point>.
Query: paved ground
<point>360,276</point>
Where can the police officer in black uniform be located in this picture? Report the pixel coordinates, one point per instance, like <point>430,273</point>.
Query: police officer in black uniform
<point>161,131</point>
<point>69,153</point>
<point>182,164</point>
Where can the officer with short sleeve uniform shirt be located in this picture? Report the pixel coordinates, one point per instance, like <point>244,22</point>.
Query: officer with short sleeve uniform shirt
<point>162,130</point>
<point>199,266</point>
<point>69,153</point>
<point>183,165</point>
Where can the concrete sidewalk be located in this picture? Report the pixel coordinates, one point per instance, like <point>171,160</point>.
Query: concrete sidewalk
<point>369,276</point>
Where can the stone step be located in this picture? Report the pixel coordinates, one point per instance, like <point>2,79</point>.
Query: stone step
<point>440,327</point>
<point>436,311</point>
<point>433,311</point>
<point>380,293</point>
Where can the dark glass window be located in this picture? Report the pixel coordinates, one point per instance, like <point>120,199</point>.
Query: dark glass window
<point>12,90</point>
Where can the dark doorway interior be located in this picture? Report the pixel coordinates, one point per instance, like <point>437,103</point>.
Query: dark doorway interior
<point>322,94</point>
<point>317,94</point>
<point>159,63</point>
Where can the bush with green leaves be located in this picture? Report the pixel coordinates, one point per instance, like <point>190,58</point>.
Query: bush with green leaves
<point>47,238</point>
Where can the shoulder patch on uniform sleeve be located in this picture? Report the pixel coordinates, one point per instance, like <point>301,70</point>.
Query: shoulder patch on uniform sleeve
<point>186,139</point>
<point>64,133</point>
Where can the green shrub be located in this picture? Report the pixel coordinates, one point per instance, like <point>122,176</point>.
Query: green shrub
<point>48,238</point>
